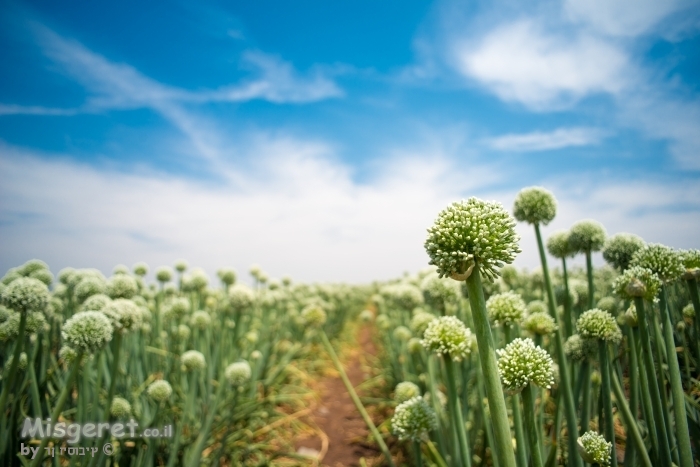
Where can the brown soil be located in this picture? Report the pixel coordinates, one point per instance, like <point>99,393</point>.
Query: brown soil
<point>343,441</point>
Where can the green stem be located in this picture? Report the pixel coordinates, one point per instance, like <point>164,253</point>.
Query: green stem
<point>682,431</point>
<point>195,457</point>
<point>521,445</point>
<point>631,452</point>
<point>664,453</point>
<point>607,401</point>
<point>589,274</point>
<point>436,403</point>
<point>417,455</point>
<point>531,423</point>
<point>569,404</point>
<point>487,354</point>
<point>456,412</point>
<point>631,422</point>
<point>585,375</point>
<point>67,388</point>
<point>568,318</point>
<point>7,382</point>
<point>356,400</point>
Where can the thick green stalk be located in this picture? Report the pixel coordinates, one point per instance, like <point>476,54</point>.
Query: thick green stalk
<point>521,446</point>
<point>456,412</point>
<point>585,375</point>
<point>631,452</point>
<point>436,402</point>
<point>417,454</point>
<point>647,410</point>
<point>67,388</point>
<point>692,285</point>
<point>195,456</point>
<point>664,453</point>
<point>487,354</point>
<point>682,431</point>
<point>631,422</point>
<point>607,401</point>
<point>356,400</point>
<point>569,404</point>
<point>589,274</point>
<point>532,426</point>
<point>568,313</point>
<point>19,346</point>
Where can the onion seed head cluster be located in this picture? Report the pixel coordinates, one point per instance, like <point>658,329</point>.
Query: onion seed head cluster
<point>238,373</point>
<point>25,294</point>
<point>470,232</point>
<point>406,390</point>
<point>535,205</point>
<point>587,235</point>
<point>413,419</point>
<point>662,260</point>
<point>540,323</point>
<point>506,309</point>
<point>578,348</point>
<point>600,325</point>
<point>522,362</point>
<point>637,281</point>
<point>619,249</point>
<point>87,331</point>
<point>122,286</point>
<point>558,245</point>
<point>448,336</point>
<point>594,449</point>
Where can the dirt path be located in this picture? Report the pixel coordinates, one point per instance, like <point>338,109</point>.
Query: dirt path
<point>337,417</point>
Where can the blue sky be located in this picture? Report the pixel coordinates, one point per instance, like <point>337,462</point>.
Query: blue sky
<point>320,139</point>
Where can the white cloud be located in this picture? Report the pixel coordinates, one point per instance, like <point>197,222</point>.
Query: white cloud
<point>522,62</point>
<point>543,141</point>
<point>622,17</point>
<point>296,210</point>
<point>35,110</point>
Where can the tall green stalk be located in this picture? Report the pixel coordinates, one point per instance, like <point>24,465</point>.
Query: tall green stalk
<point>487,354</point>
<point>67,388</point>
<point>664,453</point>
<point>589,275</point>
<point>607,401</point>
<point>569,404</point>
<point>568,312</point>
<point>456,412</point>
<point>521,445</point>
<point>532,426</point>
<point>682,432</point>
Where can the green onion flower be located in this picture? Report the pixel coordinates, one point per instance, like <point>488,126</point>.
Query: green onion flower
<point>637,281</point>
<point>594,449</point>
<point>121,408</point>
<point>160,390</point>
<point>413,419</point>
<point>87,331</point>
<point>238,373</point>
<point>619,249</point>
<point>506,309</point>
<point>406,390</point>
<point>535,205</point>
<point>600,325</point>
<point>193,360</point>
<point>26,294</point>
<point>447,335</point>
<point>540,323</point>
<point>587,235</point>
<point>469,231</point>
<point>522,362</point>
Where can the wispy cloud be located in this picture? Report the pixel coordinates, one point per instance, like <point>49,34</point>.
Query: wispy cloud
<point>544,141</point>
<point>120,86</point>
<point>627,18</point>
<point>296,210</point>
<point>35,110</point>
<point>522,62</point>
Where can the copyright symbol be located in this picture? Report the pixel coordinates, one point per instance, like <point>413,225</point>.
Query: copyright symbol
<point>107,449</point>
